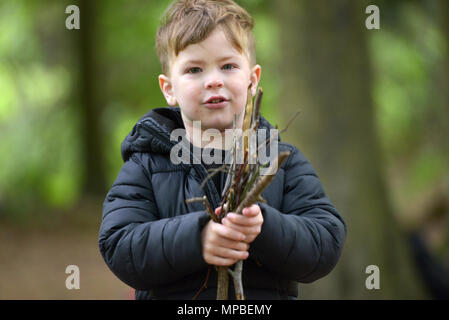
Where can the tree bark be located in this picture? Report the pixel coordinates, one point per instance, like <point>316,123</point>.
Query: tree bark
<point>90,104</point>
<point>326,73</point>
<point>441,119</point>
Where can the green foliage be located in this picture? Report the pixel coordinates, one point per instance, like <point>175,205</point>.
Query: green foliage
<point>41,146</point>
<point>407,55</point>
<point>37,128</point>
<point>40,126</point>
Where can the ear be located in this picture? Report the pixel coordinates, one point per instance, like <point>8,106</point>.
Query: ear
<point>255,78</point>
<point>167,90</point>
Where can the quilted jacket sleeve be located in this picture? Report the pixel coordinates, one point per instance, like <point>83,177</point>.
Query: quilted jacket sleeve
<point>141,249</point>
<point>303,240</point>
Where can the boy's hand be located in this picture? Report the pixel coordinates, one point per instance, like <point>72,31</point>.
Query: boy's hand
<point>222,245</point>
<point>249,222</point>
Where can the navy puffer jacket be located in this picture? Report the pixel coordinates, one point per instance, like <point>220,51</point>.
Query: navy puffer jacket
<point>151,239</point>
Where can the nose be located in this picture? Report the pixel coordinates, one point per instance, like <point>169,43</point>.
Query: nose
<point>214,82</point>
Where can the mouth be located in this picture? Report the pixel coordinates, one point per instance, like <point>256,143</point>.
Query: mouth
<point>216,102</point>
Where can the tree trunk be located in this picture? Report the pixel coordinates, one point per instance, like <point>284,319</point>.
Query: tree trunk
<point>326,74</point>
<point>441,119</point>
<point>91,103</point>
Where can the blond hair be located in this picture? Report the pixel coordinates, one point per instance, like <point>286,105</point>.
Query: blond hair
<point>188,22</point>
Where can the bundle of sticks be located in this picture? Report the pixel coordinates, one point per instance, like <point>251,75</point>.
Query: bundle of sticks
<point>244,185</point>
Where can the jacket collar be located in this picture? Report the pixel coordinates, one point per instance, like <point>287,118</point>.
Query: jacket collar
<point>152,132</point>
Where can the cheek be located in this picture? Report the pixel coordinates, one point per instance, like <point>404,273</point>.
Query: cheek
<point>187,91</point>
<point>240,90</point>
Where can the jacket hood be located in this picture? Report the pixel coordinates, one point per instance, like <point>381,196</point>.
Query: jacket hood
<point>152,132</point>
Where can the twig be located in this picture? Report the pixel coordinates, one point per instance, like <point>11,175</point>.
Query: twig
<point>204,286</point>
<point>252,197</point>
<point>206,203</point>
<point>290,122</point>
<point>243,186</point>
<point>212,173</point>
<point>257,104</point>
<point>256,191</point>
<point>237,279</point>
<point>222,283</point>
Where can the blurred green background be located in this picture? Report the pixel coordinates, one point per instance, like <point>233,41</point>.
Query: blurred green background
<point>374,122</point>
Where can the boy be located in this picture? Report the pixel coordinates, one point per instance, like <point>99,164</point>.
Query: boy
<point>165,248</point>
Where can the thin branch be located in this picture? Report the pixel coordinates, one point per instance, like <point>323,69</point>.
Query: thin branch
<point>254,194</point>
<point>290,122</point>
<point>212,173</point>
<point>257,104</point>
<point>204,286</point>
<point>236,275</point>
<point>206,203</point>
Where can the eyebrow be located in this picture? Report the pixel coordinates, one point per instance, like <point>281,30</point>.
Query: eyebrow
<point>201,61</point>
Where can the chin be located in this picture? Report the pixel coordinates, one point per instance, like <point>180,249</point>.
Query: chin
<point>219,125</point>
<point>221,121</point>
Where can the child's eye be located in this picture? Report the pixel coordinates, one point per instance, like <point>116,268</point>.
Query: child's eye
<point>228,66</point>
<point>194,70</point>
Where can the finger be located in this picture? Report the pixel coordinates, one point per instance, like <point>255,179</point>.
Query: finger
<point>248,230</point>
<point>253,210</point>
<point>230,253</point>
<point>223,252</point>
<point>226,243</point>
<point>222,246</point>
<point>219,261</point>
<point>243,220</point>
<point>227,232</point>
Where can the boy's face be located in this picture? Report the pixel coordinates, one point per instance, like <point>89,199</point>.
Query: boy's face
<point>209,81</point>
